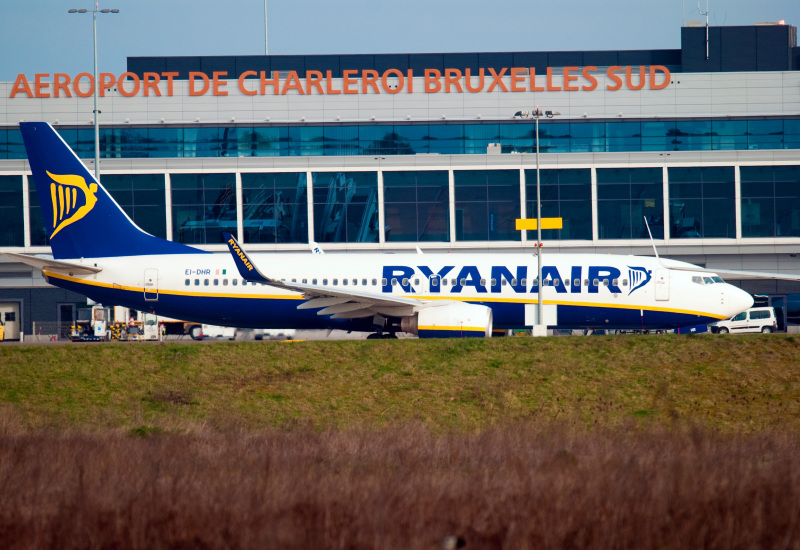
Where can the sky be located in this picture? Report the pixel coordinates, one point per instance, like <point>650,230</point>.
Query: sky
<point>39,36</point>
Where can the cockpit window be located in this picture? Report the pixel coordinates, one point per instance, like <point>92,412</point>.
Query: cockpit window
<point>708,280</point>
<point>718,279</point>
<point>696,279</point>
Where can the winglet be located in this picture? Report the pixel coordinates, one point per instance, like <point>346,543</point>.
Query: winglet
<point>246,267</point>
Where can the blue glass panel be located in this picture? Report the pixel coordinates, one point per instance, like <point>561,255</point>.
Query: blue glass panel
<point>487,204</point>
<point>566,194</point>
<point>477,137</point>
<point>274,208</point>
<point>12,223</point>
<point>659,128</point>
<point>341,140</point>
<point>446,139</point>
<point>165,142</point>
<point>305,140</point>
<point>416,206</point>
<point>270,141</point>
<point>623,129</point>
<point>203,207</point>
<point>201,142</point>
<point>412,138</point>
<point>346,207</point>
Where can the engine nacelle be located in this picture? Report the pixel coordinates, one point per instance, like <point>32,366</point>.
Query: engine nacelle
<point>450,320</point>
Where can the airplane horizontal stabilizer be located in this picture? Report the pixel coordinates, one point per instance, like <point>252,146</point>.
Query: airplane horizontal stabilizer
<point>54,265</point>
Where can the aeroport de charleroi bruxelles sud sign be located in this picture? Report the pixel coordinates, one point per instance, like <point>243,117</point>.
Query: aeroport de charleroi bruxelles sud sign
<point>366,81</point>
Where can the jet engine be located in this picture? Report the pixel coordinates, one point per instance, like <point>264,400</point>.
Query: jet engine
<point>449,320</point>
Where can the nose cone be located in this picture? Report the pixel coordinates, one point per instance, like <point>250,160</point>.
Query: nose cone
<point>738,301</point>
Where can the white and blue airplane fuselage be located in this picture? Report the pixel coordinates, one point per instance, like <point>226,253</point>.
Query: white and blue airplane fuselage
<point>98,251</point>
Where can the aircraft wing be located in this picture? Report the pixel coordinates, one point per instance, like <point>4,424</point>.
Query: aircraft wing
<point>733,273</point>
<point>341,304</point>
<point>54,265</point>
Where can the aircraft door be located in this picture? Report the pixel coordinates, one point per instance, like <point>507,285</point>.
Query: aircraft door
<point>151,284</point>
<point>662,284</point>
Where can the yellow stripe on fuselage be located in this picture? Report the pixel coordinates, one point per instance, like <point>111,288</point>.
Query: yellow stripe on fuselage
<point>484,299</point>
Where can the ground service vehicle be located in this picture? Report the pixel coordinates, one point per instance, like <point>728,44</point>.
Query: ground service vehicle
<point>757,319</point>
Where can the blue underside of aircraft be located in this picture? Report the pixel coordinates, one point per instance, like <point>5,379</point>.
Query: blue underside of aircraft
<point>276,313</point>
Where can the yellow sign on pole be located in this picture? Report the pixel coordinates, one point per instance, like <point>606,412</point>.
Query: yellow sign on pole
<point>547,223</point>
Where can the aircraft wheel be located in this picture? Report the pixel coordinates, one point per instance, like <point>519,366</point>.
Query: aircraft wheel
<point>375,336</point>
<point>766,330</point>
<point>723,330</point>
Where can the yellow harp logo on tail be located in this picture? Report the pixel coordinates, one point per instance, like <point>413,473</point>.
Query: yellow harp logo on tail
<point>72,199</point>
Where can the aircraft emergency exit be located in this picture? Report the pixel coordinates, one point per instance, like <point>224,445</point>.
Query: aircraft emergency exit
<point>98,251</point>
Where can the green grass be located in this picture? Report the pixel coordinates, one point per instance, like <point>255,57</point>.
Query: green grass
<point>733,383</point>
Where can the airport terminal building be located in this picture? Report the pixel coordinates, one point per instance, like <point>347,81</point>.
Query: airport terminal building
<point>388,152</point>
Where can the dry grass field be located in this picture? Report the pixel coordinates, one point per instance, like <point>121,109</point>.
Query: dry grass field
<point>614,442</point>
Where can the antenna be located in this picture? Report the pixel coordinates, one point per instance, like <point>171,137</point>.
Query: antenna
<point>647,225</point>
<point>706,15</point>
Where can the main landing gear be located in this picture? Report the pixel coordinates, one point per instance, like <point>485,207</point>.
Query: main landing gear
<point>382,336</point>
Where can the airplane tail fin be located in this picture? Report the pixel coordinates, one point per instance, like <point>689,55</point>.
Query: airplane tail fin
<point>81,218</point>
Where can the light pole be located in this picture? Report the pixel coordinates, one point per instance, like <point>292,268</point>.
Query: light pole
<point>94,12</point>
<point>536,114</point>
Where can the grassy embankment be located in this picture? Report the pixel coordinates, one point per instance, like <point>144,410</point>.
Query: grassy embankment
<point>726,383</point>
<point>614,442</point>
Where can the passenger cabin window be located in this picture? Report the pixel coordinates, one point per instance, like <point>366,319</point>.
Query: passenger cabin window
<point>576,282</point>
<point>205,282</point>
<point>624,282</point>
<point>197,282</point>
<point>224,282</point>
<point>235,282</point>
<point>188,281</point>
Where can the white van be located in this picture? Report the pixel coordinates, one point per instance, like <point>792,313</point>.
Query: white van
<point>757,319</point>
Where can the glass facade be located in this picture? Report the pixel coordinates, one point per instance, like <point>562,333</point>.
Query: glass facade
<point>625,197</point>
<point>566,194</point>
<point>416,206</point>
<point>487,204</point>
<point>346,207</point>
<point>702,202</point>
<point>203,206</point>
<point>451,138</point>
<point>275,208</point>
<point>11,211</point>
<point>142,197</point>
<point>770,201</point>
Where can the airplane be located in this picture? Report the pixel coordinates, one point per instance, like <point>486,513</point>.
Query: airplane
<point>98,251</point>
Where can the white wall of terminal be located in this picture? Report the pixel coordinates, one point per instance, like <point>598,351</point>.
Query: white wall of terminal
<point>687,94</point>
